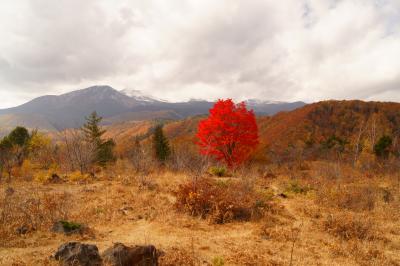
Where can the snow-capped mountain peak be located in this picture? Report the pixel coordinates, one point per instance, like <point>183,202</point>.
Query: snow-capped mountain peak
<point>258,102</point>
<point>140,96</point>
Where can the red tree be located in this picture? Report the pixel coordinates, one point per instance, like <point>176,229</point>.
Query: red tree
<point>229,134</point>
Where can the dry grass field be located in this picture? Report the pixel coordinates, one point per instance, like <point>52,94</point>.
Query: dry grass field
<point>280,216</point>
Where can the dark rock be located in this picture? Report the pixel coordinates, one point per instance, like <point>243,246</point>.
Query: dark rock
<point>121,255</point>
<point>78,254</point>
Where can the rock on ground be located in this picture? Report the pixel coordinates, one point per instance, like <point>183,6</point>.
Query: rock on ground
<point>121,255</point>
<point>78,254</point>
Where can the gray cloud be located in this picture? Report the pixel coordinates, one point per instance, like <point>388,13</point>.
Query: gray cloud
<point>287,50</point>
<point>66,41</point>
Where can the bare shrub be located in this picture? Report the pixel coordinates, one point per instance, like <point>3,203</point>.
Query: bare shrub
<point>79,153</point>
<point>350,226</point>
<point>145,182</point>
<point>221,201</point>
<point>350,197</point>
<point>141,156</point>
<point>195,197</point>
<point>187,159</point>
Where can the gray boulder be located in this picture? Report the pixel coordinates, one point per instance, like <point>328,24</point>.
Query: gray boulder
<point>121,255</point>
<point>78,254</point>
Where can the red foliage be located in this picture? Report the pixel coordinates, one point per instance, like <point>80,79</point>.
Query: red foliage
<point>229,134</point>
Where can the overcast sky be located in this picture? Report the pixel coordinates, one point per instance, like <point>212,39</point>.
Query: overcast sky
<point>180,49</point>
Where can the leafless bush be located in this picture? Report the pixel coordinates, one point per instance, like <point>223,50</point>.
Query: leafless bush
<point>222,202</point>
<point>187,160</point>
<point>141,156</point>
<point>79,153</point>
<point>350,197</point>
<point>350,226</point>
<point>145,182</point>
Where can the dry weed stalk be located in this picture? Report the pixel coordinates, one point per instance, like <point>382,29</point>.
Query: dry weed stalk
<point>295,233</point>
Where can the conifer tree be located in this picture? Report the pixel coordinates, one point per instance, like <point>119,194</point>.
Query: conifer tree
<point>20,139</point>
<point>161,145</point>
<point>382,147</point>
<point>92,130</point>
<point>93,134</point>
<point>14,149</point>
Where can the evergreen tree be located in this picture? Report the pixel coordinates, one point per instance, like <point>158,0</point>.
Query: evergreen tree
<point>14,149</point>
<point>93,134</point>
<point>20,139</point>
<point>161,145</point>
<point>382,147</point>
<point>92,130</point>
<point>105,152</point>
<point>19,136</point>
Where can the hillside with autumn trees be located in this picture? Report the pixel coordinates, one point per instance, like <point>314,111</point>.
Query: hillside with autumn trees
<point>319,185</point>
<point>316,129</point>
<point>348,125</point>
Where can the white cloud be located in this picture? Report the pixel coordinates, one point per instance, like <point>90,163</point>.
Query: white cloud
<point>278,50</point>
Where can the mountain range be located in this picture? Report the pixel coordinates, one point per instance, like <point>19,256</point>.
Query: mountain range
<point>57,112</point>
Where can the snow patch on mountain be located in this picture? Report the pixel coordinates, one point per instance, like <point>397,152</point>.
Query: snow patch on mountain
<point>258,102</point>
<point>140,96</point>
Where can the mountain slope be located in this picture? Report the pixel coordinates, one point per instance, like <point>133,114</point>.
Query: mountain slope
<point>310,126</point>
<point>9,121</point>
<point>69,110</point>
<point>316,123</point>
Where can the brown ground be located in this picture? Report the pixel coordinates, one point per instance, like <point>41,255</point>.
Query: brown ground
<point>323,226</point>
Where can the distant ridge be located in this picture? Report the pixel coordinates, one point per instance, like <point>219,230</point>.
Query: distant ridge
<point>57,112</point>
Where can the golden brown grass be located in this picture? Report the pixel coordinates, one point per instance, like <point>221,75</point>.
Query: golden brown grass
<point>350,222</point>
<point>23,211</point>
